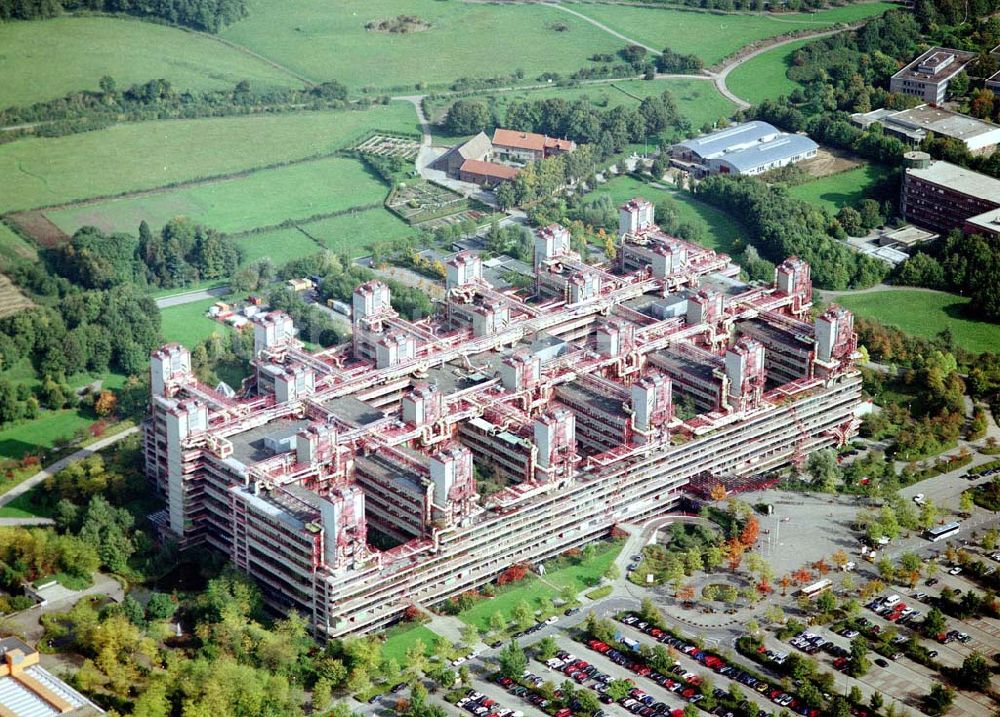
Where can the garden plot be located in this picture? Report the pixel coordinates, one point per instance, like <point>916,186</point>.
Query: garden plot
<point>384,145</point>
<point>423,201</point>
<point>473,214</point>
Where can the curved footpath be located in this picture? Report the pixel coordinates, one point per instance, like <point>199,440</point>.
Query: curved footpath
<point>26,485</point>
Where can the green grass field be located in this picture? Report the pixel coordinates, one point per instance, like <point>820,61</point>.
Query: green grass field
<point>713,36</point>
<point>278,245</point>
<point>40,435</point>
<point>399,641</point>
<point>839,190</point>
<point>187,324</point>
<point>354,233</point>
<point>68,54</point>
<point>146,155</point>
<point>926,313</point>
<point>580,576</point>
<point>720,231</point>
<point>324,40</point>
<point>348,233</point>
<point>532,590</point>
<point>764,77</point>
<point>259,199</point>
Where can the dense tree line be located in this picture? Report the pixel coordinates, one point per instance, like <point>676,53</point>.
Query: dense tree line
<point>87,110</point>
<point>90,330</point>
<point>781,226</point>
<point>952,12</point>
<point>539,180</point>
<point>968,265</point>
<point>932,419</point>
<point>181,253</point>
<point>851,71</point>
<point>677,63</point>
<point>611,130</point>
<point>69,331</point>
<point>206,15</point>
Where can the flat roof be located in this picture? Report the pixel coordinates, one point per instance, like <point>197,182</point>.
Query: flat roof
<point>22,698</point>
<point>280,505</point>
<point>680,364</point>
<point>772,335</point>
<point>249,448</point>
<point>399,474</point>
<point>987,220</point>
<point>353,410</point>
<point>941,121</point>
<point>451,378</point>
<point>960,179</point>
<point>909,235</point>
<point>936,65</point>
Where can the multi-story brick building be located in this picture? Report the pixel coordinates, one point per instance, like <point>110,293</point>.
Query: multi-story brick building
<point>943,196</point>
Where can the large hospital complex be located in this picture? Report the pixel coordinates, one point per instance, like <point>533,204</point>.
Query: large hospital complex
<point>344,481</point>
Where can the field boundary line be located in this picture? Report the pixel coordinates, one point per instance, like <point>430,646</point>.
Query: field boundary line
<point>256,55</point>
<point>293,223</point>
<point>209,179</point>
<point>310,237</point>
<point>627,93</point>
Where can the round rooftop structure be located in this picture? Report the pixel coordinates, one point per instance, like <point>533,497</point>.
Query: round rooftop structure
<point>917,160</point>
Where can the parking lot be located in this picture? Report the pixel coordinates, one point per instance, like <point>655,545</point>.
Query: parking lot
<point>901,678</point>
<point>594,665</point>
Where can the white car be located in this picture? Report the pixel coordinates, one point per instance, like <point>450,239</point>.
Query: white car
<point>918,498</point>
<point>955,570</point>
<point>552,620</point>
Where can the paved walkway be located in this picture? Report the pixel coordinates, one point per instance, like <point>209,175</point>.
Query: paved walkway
<point>189,297</point>
<point>602,26</point>
<point>720,76</point>
<point>25,522</point>
<point>827,295</point>
<point>26,485</point>
<point>27,622</point>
